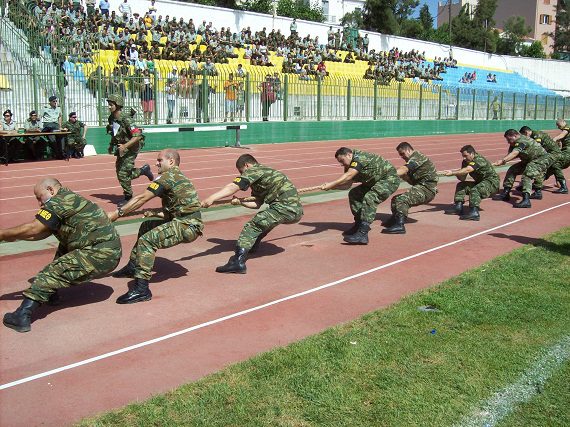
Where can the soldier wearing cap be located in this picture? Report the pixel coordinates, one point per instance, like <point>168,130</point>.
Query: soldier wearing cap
<point>76,139</point>
<point>89,246</point>
<point>126,142</point>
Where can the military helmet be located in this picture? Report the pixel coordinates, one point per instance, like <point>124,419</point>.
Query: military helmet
<point>117,99</point>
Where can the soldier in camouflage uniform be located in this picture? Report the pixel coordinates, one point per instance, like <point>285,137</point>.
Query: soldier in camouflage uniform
<point>563,138</point>
<point>126,142</point>
<point>420,173</point>
<point>534,162</point>
<point>267,186</point>
<point>75,141</point>
<point>180,222</point>
<point>89,246</point>
<point>379,181</point>
<point>559,162</point>
<point>485,183</point>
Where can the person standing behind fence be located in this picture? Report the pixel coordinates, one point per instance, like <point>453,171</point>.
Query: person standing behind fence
<point>147,100</point>
<point>76,139</point>
<point>230,88</point>
<point>496,108</point>
<point>126,142</point>
<point>267,96</point>
<point>170,90</point>
<point>51,119</point>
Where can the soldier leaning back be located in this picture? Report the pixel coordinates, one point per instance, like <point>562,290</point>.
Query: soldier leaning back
<point>89,246</point>
<point>267,186</point>
<point>126,142</point>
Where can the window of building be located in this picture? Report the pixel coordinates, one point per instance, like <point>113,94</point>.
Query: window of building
<point>545,19</point>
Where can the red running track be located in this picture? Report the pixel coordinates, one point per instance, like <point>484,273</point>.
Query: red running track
<point>302,281</point>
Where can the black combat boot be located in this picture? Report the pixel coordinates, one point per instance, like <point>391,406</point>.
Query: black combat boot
<point>255,246</point>
<point>504,195</point>
<point>563,188</point>
<point>524,203</point>
<point>398,227</point>
<point>352,229</point>
<point>472,215</point>
<point>236,263</point>
<point>537,194</point>
<point>139,293</point>
<point>456,209</point>
<point>389,222</point>
<point>361,235</point>
<point>127,271</point>
<point>145,170</point>
<point>21,319</point>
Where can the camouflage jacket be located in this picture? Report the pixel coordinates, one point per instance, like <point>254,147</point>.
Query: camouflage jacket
<point>528,149</point>
<point>268,185</point>
<point>550,145</point>
<point>421,171</point>
<point>122,131</point>
<point>566,140</point>
<point>76,129</point>
<point>76,222</point>
<point>179,197</point>
<point>483,169</point>
<point>371,167</point>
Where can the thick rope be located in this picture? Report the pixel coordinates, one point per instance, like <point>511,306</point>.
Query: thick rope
<point>237,201</point>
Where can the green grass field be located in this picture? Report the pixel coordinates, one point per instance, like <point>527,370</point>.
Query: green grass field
<point>402,366</point>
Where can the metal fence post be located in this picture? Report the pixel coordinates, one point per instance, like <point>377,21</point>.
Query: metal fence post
<point>348,99</point>
<point>555,106</point>
<point>248,96</point>
<point>514,103</point>
<point>286,98</point>
<point>502,105</point>
<point>473,105</point>
<point>35,86</point>
<point>488,103</point>
<point>439,106</point>
<point>421,99</point>
<point>319,99</point>
<point>457,104</point>
<point>535,106</point>
<point>545,107</point>
<point>99,90</point>
<point>155,96</point>
<point>399,111</point>
<point>525,105</point>
<point>375,112</point>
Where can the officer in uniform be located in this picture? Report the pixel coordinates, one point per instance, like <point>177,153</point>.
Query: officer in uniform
<point>559,161</point>
<point>379,181</point>
<point>126,142</point>
<point>418,171</point>
<point>89,246</point>
<point>485,183</point>
<point>76,139</point>
<point>180,222</point>
<point>267,186</point>
<point>534,161</point>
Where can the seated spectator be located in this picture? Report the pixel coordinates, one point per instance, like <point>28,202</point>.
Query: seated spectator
<point>369,73</point>
<point>240,72</point>
<point>322,70</point>
<point>210,68</point>
<point>489,77</point>
<point>494,78</point>
<point>75,141</point>
<point>35,145</point>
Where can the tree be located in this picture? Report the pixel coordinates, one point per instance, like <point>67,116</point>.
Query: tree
<point>378,15</point>
<point>535,50</point>
<point>301,10</point>
<point>425,17</point>
<point>353,19</point>
<point>476,32</point>
<point>562,34</point>
<point>515,31</point>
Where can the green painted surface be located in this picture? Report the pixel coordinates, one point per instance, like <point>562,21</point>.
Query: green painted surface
<point>297,131</point>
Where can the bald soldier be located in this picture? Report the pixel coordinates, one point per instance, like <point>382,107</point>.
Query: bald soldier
<point>89,246</point>
<point>267,186</point>
<point>180,221</point>
<point>533,164</point>
<point>379,181</point>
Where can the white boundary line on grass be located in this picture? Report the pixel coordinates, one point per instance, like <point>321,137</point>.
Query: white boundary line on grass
<point>499,405</point>
<point>268,304</point>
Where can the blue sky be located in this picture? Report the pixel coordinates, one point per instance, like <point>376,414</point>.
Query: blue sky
<point>432,8</point>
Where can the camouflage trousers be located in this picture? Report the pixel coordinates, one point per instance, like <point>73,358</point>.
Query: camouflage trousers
<point>532,174</point>
<point>265,221</point>
<point>476,191</point>
<point>75,267</point>
<point>560,163</point>
<point>76,143</point>
<point>126,171</point>
<point>157,234</point>
<point>364,200</point>
<point>415,196</point>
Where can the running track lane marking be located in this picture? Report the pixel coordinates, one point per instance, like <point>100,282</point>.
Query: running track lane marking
<point>268,304</point>
<point>490,412</point>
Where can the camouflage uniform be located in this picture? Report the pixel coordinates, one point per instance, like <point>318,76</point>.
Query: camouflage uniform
<point>122,132</point>
<point>379,181</point>
<point>559,162</point>
<point>89,246</point>
<point>182,221</point>
<point>485,182</point>
<point>533,165</point>
<point>275,189</point>
<point>423,178</point>
<point>75,140</point>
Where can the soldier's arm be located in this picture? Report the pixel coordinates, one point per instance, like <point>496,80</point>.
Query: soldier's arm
<point>34,230</point>
<point>560,136</point>
<point>344,179</point>
<point>459,173</point>
<point>227,191</point>
<point>132,205</point>
<point>511,156</point>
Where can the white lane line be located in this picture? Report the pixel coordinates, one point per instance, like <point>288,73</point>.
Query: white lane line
<point>490,412</point>
<point>268,304</point>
